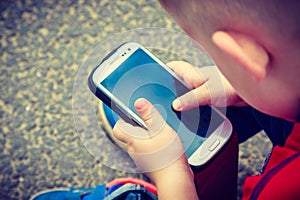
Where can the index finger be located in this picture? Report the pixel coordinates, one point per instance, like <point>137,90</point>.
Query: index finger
<point>188,73</point>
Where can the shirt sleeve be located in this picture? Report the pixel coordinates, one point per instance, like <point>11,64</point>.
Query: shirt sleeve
<point>247,121</point>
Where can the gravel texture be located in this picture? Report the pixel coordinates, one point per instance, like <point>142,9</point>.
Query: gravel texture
<point>42,45</point>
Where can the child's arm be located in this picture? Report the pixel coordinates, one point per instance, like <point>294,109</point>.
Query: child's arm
<point>175,181</point>
<point>159,153</point>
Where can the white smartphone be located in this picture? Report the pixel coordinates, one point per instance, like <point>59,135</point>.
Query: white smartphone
<point>130,72</point>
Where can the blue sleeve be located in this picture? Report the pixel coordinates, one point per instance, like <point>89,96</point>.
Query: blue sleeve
<point>247,122</point>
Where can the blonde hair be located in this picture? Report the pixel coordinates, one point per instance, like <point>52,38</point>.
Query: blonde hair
<point>278,17</point>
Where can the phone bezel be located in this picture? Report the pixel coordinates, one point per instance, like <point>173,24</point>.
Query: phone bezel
<point>112,61</point>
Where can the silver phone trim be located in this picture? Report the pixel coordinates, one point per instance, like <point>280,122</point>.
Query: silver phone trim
<point>122,107</point>
<point>202,154</point>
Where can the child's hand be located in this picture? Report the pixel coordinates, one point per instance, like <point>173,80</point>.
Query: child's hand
<point>159,152</point>
<point>151,149</point>
<point>209,87</point>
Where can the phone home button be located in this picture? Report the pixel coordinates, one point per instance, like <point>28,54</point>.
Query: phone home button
<point>214,145</point>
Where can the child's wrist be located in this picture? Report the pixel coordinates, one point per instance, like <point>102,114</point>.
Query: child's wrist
<point>180,169</point>
<point>178,176</point>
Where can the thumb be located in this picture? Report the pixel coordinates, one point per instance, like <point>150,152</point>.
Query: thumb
<point>145,110</point>
<point>153,120</point>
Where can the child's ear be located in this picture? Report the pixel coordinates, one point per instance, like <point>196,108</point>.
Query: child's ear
<point>245,50</point>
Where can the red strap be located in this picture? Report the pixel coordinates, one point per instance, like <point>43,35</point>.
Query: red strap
<point>150,187</point>
<point>273,172</point>
<point>281,176</point>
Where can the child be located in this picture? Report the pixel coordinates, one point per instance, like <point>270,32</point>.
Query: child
<point>255,45</point>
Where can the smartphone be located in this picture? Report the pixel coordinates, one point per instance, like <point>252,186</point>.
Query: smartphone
<point>130,72</point>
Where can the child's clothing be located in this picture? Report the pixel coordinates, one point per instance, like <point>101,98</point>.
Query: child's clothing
<point>280,178</point>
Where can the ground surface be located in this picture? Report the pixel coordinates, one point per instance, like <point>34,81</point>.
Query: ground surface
<point>42,46</point>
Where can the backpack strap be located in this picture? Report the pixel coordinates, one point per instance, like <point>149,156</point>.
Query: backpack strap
<point>264,181</point>
<point>149,186</point>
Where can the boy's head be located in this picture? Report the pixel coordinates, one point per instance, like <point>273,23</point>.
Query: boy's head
<point>255,45</point>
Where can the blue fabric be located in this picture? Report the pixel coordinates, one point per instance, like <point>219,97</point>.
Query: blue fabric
<point>74,194</point>
<point>131,192</point>
<point>247,122</point>
<point>117,192</point>
<point>99,192</point>
<point>57,195</point>
<point>277,129</point>
<point>112,189</point>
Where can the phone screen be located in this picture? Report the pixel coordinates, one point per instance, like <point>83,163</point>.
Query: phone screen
<point>141,76</point>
